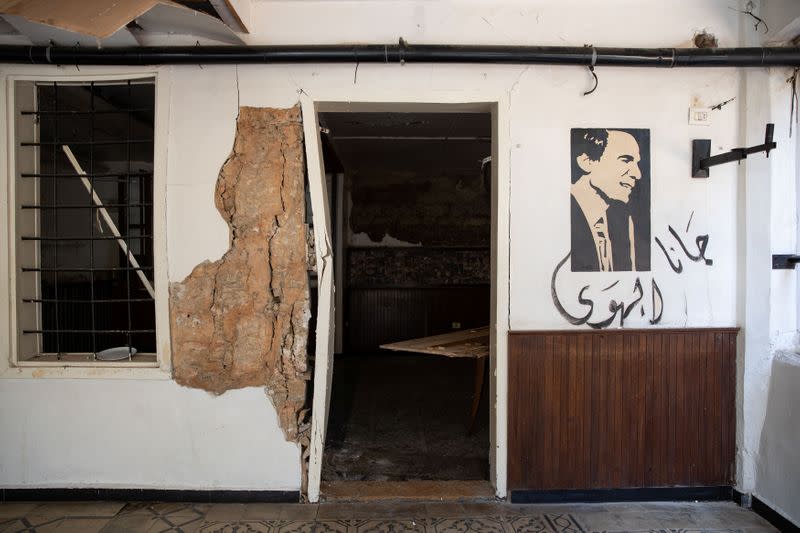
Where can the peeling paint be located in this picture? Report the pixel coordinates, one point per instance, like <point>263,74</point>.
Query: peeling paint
<point>704,39</point>
<point>242,321</point>
<point>362,239</point>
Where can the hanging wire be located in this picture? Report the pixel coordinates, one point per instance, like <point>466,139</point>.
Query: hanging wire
<point>77,46</point>
<point>596,82</point>
<point>792,80</point>
<point>591,70</point>
<point>749,11</point>
<point>723,104</point>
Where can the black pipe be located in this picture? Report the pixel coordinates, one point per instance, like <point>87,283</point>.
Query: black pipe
<point>404,53</point>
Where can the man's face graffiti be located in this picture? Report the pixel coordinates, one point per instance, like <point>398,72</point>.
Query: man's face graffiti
<point>617,171</point>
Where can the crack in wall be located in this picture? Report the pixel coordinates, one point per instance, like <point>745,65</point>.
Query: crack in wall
<point>242,321</point>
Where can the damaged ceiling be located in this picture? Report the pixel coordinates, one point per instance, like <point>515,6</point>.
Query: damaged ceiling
<point>410,142</point>
<point>417,177</point>
<point>99,23</point>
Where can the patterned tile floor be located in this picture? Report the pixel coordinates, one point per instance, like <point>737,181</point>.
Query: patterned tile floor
<point>92,517</point>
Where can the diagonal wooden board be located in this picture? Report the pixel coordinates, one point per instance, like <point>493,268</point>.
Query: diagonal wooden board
<point>465,343</point>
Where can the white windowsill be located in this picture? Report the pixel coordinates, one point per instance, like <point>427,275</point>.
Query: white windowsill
<point>86,370</point>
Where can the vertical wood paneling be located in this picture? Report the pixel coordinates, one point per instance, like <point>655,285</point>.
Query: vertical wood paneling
<point>596,394</point>
<point>641,402</point>
<point>709,408</point>
<point>729,429</point>
<point>681,405</point>
<point>622,408</point>
<point>674,401</point>
<point>720,424</point>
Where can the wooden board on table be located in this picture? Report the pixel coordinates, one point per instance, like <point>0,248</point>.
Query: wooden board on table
<point>464,343</point>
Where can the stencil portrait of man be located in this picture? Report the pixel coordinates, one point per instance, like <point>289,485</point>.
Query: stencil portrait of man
<point>610,199</point>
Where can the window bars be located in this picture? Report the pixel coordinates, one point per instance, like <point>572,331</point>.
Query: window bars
<point>85,213</point>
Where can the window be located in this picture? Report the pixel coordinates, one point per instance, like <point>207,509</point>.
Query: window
<point>84,269</point>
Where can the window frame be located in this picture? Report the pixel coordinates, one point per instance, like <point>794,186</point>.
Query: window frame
<point>10,364</point>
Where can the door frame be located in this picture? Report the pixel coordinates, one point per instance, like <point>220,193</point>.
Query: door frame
<point>497,104</point>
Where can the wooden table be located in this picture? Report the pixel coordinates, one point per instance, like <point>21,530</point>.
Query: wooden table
<point>469,343</point>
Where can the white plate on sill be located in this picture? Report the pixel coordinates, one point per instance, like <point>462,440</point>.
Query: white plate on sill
<point>116,354</point>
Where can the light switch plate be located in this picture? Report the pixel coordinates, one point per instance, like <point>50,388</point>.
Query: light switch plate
<point>700,116</point>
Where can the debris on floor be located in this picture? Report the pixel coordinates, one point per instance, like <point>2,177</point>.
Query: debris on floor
<point>405,417</point>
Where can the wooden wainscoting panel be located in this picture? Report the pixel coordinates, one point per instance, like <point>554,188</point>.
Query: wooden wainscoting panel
<point>621,408</point>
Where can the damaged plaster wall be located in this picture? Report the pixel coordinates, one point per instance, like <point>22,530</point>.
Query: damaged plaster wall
<point>451,208</point>
<point>414,226</point>
<point>418,205</point>
<point>243,320</point>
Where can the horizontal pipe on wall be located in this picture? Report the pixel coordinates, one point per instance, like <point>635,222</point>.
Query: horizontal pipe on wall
<point>405,53</point>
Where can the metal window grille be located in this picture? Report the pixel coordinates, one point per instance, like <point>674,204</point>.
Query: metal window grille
<point>85,221</point>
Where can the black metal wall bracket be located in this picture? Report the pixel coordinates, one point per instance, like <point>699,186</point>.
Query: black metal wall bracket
<point>785,261</point>
<point>702,160</point>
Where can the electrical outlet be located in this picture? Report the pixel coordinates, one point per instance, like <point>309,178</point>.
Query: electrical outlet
<point>456,325</point>
<point>700,116</point>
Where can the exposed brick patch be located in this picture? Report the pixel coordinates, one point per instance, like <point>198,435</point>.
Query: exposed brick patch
<point>242,321</point>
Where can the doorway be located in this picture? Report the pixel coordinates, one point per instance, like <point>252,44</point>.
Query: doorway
<point>410,197</point>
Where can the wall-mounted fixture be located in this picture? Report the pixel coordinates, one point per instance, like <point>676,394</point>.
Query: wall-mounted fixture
<point>785,261</point>
<point>702,160</point>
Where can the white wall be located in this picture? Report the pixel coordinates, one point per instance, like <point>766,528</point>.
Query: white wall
<point>544,102</point>
<point>769,371</point>
<point>143,434</point>
<point>768,305</point>
<point>659,100</point>
<point>778,461</point>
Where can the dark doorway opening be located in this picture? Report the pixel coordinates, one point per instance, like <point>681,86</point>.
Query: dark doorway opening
<point>411,203</point>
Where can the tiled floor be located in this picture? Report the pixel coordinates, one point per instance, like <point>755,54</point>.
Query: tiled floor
<point>378,518</point>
